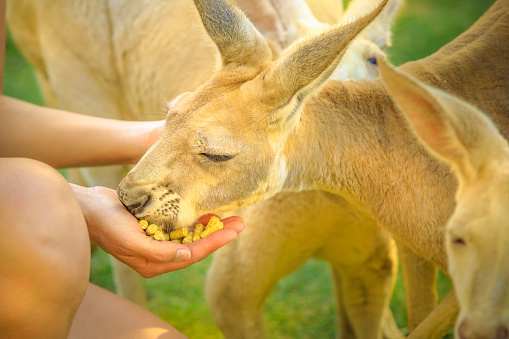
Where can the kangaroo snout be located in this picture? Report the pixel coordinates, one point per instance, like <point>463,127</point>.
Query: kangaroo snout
<point>135,198</point>
<point>468,329</point>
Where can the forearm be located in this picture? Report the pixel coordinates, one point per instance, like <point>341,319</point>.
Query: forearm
<point>64,139</point>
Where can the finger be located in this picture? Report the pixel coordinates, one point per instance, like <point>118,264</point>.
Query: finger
<point>235,223</point>
<point>204,247</point>
<point>199,250</point>
<point>160,251</point>
<point>204,219</point>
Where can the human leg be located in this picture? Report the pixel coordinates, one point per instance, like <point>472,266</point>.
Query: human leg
<point>103,314</point>
<point>44,251</point>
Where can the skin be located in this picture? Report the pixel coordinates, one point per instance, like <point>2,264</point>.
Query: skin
<point>42,269</point>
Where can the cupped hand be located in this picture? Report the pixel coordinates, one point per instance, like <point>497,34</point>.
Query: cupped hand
<point>118,233</point>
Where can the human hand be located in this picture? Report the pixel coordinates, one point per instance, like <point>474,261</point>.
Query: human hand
<point>118,233</point>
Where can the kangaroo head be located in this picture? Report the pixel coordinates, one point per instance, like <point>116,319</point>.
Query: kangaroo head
<point>478,231</point>
<point>223,144</point>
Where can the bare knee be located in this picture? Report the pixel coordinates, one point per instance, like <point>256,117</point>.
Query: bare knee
<point>45,248</point>
<point>39,204</point>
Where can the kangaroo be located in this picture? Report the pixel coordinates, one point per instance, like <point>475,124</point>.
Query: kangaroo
<point>116,85</point>
<point>278,126</point>
<point>476,242</point>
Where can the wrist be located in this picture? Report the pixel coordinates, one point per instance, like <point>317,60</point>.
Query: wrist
<point>142,136</point>
<point>83,195</point>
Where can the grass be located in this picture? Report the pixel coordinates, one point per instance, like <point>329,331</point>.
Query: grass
<point>302,304</point>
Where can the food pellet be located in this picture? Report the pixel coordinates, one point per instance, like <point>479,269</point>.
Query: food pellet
<point>152,229</point>
<point>213,225</point>
<point>188,238</point>
<point>180,233</point>
<point>143,224</point>
<point>197,231</point>
<point>159,235</point>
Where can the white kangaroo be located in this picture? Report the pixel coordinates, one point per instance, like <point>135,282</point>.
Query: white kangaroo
<point>476,238</point>
<point>110,70</point>
<point>259,127</point>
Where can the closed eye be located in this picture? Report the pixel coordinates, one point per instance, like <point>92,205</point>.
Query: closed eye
<point>458,241</point>
<point>217,157</point>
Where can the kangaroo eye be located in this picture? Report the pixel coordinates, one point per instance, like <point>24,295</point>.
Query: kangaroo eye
<point>217,157</point>
<point>458,241</point>
<point>372,61</point>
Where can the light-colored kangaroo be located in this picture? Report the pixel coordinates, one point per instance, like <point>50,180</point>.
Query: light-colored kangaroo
<point>477,241</point>
<point>256,128</point>
<point>110,80</point>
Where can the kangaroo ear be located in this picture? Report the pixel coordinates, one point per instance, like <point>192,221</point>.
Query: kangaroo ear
<point>379,31</point>
<point>308,64</point>
<point>236,38</point>
<point>450,128</point>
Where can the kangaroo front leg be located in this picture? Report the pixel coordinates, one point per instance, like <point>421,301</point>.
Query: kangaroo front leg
<point>365,290</point>
<point>128,283</point>
<point>242,274</point>
<point>419,276</point>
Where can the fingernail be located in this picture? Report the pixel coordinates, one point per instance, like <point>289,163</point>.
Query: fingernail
<point>183,255</point>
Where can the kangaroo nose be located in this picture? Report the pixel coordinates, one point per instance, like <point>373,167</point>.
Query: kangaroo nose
<point>502,333</point>
<point>464,332</point>
<point>134,199</point>
<point>137,207</point>
<point>133,206</point>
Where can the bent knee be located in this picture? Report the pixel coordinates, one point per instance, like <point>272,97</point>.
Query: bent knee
<point>24,179</point>
<point>44,243</point>
<point>40,214</point>
<point>33,191</point>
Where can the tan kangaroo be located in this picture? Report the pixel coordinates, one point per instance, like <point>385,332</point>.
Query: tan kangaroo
<point>476,239</point>
<point>111,81</point>
<point>257,128</point>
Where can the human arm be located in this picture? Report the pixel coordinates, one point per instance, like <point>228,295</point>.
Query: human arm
<point>64,139</point>
<point>118,233</point>
<point>3,33</point>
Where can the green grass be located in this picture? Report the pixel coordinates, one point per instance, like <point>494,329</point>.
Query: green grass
<point>302,304</point>
<point>19,77</point>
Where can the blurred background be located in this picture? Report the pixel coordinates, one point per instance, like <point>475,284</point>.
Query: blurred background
<point>302,304</point>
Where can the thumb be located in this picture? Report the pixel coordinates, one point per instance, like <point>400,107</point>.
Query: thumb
<point>162,251</point>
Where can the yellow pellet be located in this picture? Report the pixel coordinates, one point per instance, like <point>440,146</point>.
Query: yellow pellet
<point>179,233</point>
<point>213,225</point>
<point>182,235</point>
<point>159,235</point>
<point>197,231</point>
<point>152,229</point>
<point>143,224</point>
<point>188,238</point>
